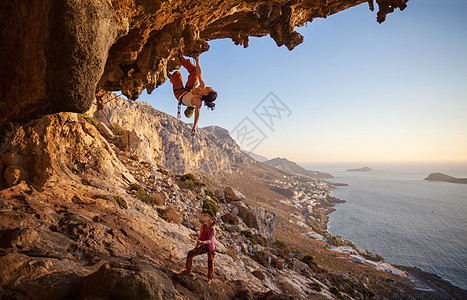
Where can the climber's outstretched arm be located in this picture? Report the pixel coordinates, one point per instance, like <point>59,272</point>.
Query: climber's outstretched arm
<point>202,85</point>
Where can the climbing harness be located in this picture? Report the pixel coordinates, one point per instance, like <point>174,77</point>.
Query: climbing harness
<point>179,115</point>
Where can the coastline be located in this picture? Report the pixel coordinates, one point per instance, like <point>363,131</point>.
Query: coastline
<point>425,280</point>
<point>296,199</point>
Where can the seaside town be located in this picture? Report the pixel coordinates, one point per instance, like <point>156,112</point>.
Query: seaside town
<point>313,200</point>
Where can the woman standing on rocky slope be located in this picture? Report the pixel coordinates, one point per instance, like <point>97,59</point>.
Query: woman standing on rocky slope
<point>188,94</point>
<point>204,244</point>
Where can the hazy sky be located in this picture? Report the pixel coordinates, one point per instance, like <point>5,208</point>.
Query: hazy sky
<point>354,90</point>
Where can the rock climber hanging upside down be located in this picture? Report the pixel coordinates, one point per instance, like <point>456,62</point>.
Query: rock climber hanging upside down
<point>189,94</point>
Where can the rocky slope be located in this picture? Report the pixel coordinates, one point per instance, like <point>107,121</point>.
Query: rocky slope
<point>58,55</point>
<point>89,228</point>
<point>83,216</point>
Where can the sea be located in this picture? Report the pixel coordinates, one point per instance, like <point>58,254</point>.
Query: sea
<point>409,221</point>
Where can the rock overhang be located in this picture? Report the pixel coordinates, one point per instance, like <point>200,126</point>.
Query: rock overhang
<point>62,55</point>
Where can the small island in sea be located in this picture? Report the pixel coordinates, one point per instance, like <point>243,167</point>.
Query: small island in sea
<point>363,169</point>
<point>445,178</point>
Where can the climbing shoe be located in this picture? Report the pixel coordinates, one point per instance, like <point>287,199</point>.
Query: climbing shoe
<point>189,111</point>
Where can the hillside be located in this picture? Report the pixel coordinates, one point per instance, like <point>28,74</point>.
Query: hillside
<point>81,212</point>
<point>290,166</point>
<point>258,157</point>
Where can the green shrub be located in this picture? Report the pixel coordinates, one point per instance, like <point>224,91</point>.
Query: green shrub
<point>117,129</point>
<point>247,233</point>
<point>334,290</point>
<point>261,259</point>
<point>261,240</point>
<point>209,212</point>
<point>141,194</point>
<point>281,244</point>
<point>121,202</point>
<point>193,185</point>
<point>308,260</point>
<point>335,241</point>
<point>87,118</point>
<point>190,184</point>
<point>190,180</point>
<point>378,257</point>
<point>209,193</point>
<point>187,176</point>
<point>316,286</point>
<point>210,207</point>
<point>135,187</point>
<point>249,236</point>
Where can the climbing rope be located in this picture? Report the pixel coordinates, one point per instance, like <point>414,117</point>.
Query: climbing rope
<point>108,100</point>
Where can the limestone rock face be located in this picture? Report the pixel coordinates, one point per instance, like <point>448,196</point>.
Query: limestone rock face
<point>55,53</point>
<point>266,220</point>
<point>156,137</point>
<point>57,143</point>
<point>224,141</point>
<point>258,218</point>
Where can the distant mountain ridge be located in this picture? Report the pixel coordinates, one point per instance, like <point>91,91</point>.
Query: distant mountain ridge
<point>290,166</point>
<point>258,157</point>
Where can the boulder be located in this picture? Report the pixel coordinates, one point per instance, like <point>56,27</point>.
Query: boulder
<point>158,199</point>
<point>242,291</point>
<point>245,213</point>
<point>128,177</point>
<point>117,280</point>
<point>258,274</point>
<point>287,285</point>
<point>271,295</point>
<point>257,217</point>
<point>104,130</point>
<point>232,194</point>
<point>219,193</point>
<point>230,218</point>
<point>169,213</point>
